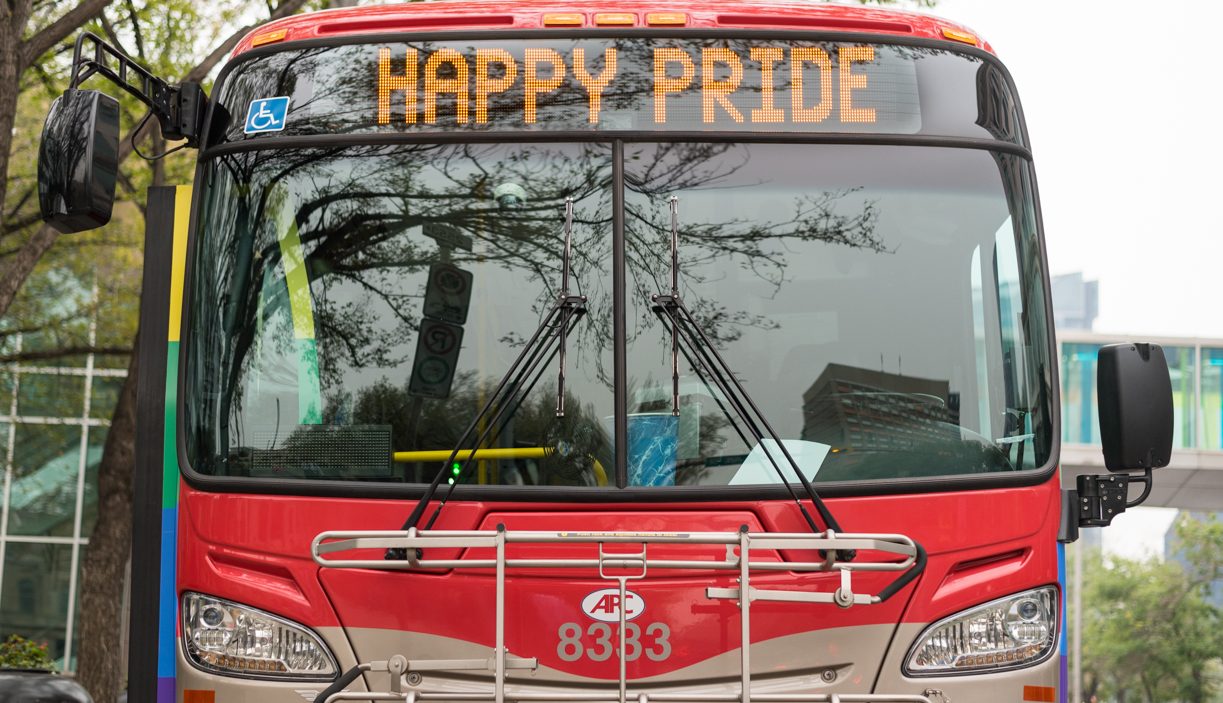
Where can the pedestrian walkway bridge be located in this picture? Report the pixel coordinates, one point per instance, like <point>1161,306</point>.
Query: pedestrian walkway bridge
<point>1194,478</point>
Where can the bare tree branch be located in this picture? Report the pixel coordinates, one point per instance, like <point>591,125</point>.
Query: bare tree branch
<point>9,225</point>
<point>111,34</point>
<point>18,268</point>
<point>45,354</point>
<point>58,30</point>
<point>13,225</point>
<point>201,71</point>
<point>22,264</point>
<point>131,13</point>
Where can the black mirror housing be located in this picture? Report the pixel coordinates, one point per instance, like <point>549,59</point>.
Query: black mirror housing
<point>78,161</point>
<point>1135,397</point>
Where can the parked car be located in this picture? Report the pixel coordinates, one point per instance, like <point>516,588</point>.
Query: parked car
<point>39,686</point>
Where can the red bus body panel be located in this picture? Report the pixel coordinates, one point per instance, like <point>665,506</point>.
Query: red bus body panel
<point>255,549</point>
<point>728,14</point>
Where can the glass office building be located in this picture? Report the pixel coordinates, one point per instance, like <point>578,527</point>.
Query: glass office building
<point>1196,367</point>
<point>53,423</point>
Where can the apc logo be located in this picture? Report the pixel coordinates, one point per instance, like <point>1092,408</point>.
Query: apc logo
<point>604,605</point>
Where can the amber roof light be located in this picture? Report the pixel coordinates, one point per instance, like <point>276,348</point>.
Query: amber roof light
<point>615,19</point>
<point>268,37</point>
<point>957,35</point>
<point>666,19</point>
<point>563,19</point>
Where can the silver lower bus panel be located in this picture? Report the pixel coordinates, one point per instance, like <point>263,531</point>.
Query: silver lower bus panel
<point>619,568</point>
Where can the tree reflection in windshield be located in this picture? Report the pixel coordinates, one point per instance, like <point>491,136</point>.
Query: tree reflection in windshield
<point>368,223</point>
<point>882,305</point>
<point>314,267</point>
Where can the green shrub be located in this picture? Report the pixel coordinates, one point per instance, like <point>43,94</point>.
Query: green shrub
<point>20,653</point>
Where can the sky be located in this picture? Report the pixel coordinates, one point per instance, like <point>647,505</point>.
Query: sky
<point>1123,102</point>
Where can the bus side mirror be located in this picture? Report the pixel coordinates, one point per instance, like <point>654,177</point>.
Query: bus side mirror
<point>1135,402</point>
<point>1135,397</point>
<point>78,161</point>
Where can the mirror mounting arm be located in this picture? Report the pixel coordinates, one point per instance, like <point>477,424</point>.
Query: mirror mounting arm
<point>1145,480</point>
<point>1097,499</point>
<point>179,109</point>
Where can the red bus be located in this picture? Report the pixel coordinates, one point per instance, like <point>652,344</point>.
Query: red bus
<point>692,352</point>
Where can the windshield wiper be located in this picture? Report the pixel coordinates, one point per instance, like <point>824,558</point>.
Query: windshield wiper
<point>548,342</point>
<point>688,339</point>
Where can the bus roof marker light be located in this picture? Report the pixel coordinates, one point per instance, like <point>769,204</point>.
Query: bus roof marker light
<point>666,19</point>
<point>564,19</point>
<point>269,37</point>
<point>615,19</point>
<point>957,35</point>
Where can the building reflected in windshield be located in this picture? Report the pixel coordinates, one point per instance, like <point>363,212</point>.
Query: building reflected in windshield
<point>855,409</point>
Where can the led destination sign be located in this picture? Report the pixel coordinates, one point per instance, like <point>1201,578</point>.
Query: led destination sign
<point>648,85</point>
<point>616,84</point>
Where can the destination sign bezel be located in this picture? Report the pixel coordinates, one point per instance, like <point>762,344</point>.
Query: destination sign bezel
<point>955,71</point>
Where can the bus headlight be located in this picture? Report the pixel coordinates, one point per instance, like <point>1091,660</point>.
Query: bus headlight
<point>228,638</point>
<point>1008,633</point>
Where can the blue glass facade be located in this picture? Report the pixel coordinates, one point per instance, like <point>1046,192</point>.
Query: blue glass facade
<point>53,423</point>
<point>1196,369</point>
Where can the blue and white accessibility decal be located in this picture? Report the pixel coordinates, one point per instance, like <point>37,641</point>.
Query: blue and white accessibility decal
<point>266,115</point>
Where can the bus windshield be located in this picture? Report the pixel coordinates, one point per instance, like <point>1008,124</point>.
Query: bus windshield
<point>882,304</point>
<point>352,305</point>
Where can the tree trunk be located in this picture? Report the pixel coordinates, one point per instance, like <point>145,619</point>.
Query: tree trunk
<point>1089,693</point>
<point>21,264</point>
<point>104,564</point>
<point>10,76</point>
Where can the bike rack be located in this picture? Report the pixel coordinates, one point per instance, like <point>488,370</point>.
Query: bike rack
<point>629,566</point>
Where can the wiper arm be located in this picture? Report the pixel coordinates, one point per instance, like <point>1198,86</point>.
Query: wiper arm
<point>545,344</point>
<point>688,339</point>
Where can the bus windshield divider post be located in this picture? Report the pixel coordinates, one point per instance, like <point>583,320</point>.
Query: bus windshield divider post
<point>519,380</point>
<point>560,374</point>
<point>709,365</point>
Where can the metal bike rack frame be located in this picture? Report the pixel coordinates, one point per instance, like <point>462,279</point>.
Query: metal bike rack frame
<point>621,568</point>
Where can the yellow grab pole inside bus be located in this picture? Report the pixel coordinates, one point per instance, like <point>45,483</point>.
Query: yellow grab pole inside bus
<point>493,453</point>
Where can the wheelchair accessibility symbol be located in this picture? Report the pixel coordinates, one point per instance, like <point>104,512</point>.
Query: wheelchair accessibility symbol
<point>266,115</point>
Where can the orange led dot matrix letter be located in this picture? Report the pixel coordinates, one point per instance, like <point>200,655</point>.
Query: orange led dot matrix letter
<point>595,86</point>
<point>799,57</point>
<point>435,85</point>
<point>663,84</point>
<point>716,91</point>
<point>388,83</point>
<point>851,80</point>
<point>485,85</point>
<point>535,85</point>
<point>767,56</point>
